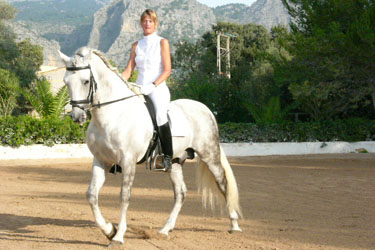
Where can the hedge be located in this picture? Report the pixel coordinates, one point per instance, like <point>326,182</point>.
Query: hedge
<point>350,130</point>
<point>24,130</point>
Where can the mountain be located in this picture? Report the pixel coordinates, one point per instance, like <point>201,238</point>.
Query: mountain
<point>116,26</point>
<point>67,12</point>
<point>55,24</point>
<point>268,13</point>
<point>113,26</point>
<point>233,13</point>
<point>50,47</point>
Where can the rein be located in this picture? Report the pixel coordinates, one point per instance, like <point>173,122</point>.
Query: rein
<point>93,88</point>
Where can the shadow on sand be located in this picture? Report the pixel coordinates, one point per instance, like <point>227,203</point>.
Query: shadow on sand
<point>13,228</point>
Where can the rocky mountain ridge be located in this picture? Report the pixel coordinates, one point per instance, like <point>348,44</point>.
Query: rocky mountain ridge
<point>115,25</point>
<point>268,13</point>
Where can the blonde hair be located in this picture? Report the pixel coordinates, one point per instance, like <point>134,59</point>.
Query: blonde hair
<point>152,14</point>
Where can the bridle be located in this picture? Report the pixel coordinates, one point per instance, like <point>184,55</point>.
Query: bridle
<point>93,88</point>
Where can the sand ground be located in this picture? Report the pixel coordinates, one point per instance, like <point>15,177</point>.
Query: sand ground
<point>288,202</point>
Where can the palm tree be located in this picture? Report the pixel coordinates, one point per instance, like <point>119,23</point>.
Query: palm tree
<point>270,112</point>
<point>43,101</point>
<point>9,85</point>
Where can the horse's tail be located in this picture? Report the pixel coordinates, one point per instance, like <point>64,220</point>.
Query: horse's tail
<point>208,187</point>
<point>232,198</point>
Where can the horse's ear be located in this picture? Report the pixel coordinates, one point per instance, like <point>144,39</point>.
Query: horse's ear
<point>65,58</point>
<point>87,54</point>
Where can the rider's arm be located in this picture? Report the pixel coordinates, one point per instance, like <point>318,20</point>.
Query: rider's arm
<point>166,62</point>
<point>131,64</point>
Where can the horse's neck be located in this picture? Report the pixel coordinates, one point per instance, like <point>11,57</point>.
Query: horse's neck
<point>110,85</point>
<point>110,88</point>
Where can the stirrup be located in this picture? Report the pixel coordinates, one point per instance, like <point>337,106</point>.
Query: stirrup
<point>165,165</point>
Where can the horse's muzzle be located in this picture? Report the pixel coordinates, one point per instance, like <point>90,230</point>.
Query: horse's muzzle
<point>78,115</point>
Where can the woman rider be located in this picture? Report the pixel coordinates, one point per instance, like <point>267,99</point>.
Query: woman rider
<point>152,57</point>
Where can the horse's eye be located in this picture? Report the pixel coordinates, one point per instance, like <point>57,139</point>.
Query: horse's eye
<point>86,82</point>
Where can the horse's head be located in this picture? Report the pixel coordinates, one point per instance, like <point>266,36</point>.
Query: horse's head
<point>80,81</point>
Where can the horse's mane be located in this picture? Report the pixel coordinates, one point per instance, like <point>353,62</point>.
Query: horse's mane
<point>132,86</point>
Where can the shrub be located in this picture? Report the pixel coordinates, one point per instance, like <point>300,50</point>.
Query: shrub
<point>9,85</point>
<point>354,129</point>
<point>24,130</point>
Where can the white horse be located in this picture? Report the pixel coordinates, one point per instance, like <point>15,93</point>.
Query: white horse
<point>120,131</point>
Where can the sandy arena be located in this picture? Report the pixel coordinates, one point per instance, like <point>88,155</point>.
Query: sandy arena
<point>288,202</point>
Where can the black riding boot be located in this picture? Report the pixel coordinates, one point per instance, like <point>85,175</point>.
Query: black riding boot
<point>166,145</point>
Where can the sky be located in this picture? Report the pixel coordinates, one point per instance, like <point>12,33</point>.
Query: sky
<point>214,3</point>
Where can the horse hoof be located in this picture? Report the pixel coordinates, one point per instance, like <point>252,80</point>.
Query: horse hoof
<point>112,233</point>
<point>235,231</point>
<point>163,235</point>
<point>115,243</point>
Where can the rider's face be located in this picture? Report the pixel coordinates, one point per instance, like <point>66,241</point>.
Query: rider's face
<point>148,26</point>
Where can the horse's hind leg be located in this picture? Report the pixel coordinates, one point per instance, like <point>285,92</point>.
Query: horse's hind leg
<point>179,189</point>
<point>97,181</point>
<point>222,174</point>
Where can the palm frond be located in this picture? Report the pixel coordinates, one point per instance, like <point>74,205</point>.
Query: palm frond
<point>254,111</point>
<point>60,101</point>
<point>45,96</point>
<point>43,101</point>
<point>32,98</point>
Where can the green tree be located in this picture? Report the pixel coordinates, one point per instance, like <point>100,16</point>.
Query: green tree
<point>187,58</point>
<point>9,87</point>
<point>332,70</point>
<point>28,61</point>
<point>22,58</point>
<point>7,11</point>
<point>252,50</point>
<point>44,102</point>
<point>8,48</point>
<point>248,48</point>
<point>198,87</point>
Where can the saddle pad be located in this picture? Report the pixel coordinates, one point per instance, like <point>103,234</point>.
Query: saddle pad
<point>177,120</point>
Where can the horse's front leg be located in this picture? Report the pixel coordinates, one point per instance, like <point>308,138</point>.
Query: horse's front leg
<point>179,189</point>
<point>127,183</point>
<point>97,181</point>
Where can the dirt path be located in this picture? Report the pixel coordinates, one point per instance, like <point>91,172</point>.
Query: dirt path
<point>299,202</point>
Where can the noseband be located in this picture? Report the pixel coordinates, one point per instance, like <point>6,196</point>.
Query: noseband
<point>93,88</point>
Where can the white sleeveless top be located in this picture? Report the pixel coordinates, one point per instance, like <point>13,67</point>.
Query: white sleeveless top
<point>148,59</point>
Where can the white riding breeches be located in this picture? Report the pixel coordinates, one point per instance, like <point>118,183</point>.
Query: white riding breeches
<point>161,97</point>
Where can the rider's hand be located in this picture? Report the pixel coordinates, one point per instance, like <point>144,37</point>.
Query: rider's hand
<point>147,89</point>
